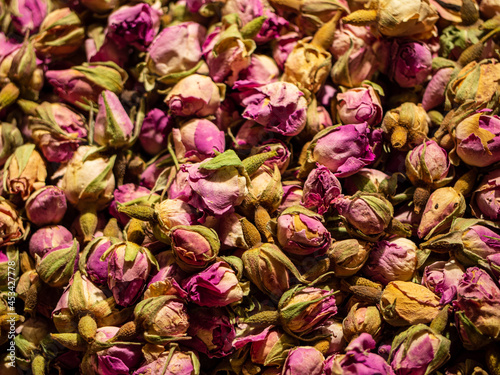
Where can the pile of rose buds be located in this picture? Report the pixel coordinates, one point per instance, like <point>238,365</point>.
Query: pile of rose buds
<point>275,187</point>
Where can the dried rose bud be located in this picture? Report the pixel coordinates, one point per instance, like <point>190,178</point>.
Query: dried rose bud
<point>434,94</point>
<point>410,63</point>
<point>320,189</point>
<point>261,71</point>
<point>394,18</point>
<point>197,140</point>
<point>334,332</point>
<point>161,317</point>
<point>24,172</point>
<point>10,139</point>
<point>478,140</point>
<point>370,181</point>
<point>167,280</point>
<point>61,33</point>
<point>129,266</point>
<point>477,313</point>
<point>265,188</point>
<point>302,309</point>
<point>272,348</point>
<point>212,332</point>
<point>280,107</point>
<point>27,15</point>
<point>407,126</point>
<point>359,105</point>
<point>84,83</point>
<point>165,58</point>
<point>479,242</point>
<point>174,212</point>
<point>301,232</point>
<point>113,126</point>
<point>442,278</point>
<point>484,202</point>
<point>443,206</point>
<point>404,303</point>
<point>153,170</point>
<point>282,159</point>
<point>194,246</point>
<point>215,286</point>
<point>100,47</point>
<point>419,348</point>
<point>292,196</point>
<point>347,257</point>
<point>303,360</point>
<point>362,319</point>
<point>391,260</point>
<point>134,25</point>
<point>196,96</point>
<point>57,130</point>
<point>170,363</point>
<point>11,224</point>
<point>368,213</point>
<point>155,129</point>
<point>47,238</point>
<point>250,134</point>
<point>358,359</point>
<point>90,263</point>
<point>126,193</point>
<point>283,46</point>
<point>356,60</point>
<point>56,266</point>
<point>343,149</point>
<point>46,206</point>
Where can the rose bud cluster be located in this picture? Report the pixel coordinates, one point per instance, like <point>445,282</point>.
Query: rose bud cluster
<point>275,187</point>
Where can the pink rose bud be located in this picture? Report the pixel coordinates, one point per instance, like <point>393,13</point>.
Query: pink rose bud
<point>478,140</point>
<point>335,335</point>
<point>419,349</point>
<point>151,173</point>
<point>181,363</point>
<point>261,71</point>
<point>109,50</point>
<point>250,134</point>
<point>90,262</point>
<point>173,212</point>
<point>479,242</point>
<point>166,58</point>
<point>301,232</point>
<point>129,265</point>
<point>280,107</point>
<point>477,309</point>
<point>195,95</point>
<point>198,139</point>
<point>57,265</point>
<point>46,206</point>
<point>212,332</point>
<point>113,126</point>
<point>359,105</point>
<point>320,190</point>
<point>370,181</point>
<point>292,196</point>
<point>303,360</point>
<point>344,149</point>
<point>126,193</point>
<point>434,94</point>
<point>135,25</point>
<point>215,286</point>
<point>283,46</point>
<point>411,63</point>
<point>155,129</point>
<point>428,165</point>
<point>484,201</point>
<point>270,350</point>
<point>392,260</point>
<point>47,238</point>
<point>27,15</point>
<point>442,278</point>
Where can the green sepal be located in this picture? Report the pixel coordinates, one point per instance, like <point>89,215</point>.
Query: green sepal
<point>252,28</point>
<point>56,268</point>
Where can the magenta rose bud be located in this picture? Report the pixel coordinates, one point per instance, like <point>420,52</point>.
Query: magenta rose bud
<point>129,266</point>
<point>442,278</point>
<point>195,95</point>
<point>478,140</point>
<point>320,189</point>
<point>280,107</point>
<point>411,63</point>
<point>359,105</point>
<point>135,25</point>
<point>419,350</point>
<point>212,332</point>
<point>477,309</point>
<point>343,149</point>
<point>123,194</point>
<point>47,238</point>
<point>303,360</point>
<point>155,129</point>
<point>301,232</point>
<point>46,206</point>
<point>392,260</point>
<point>153,171</point>
<point>90,262</point>
<point>434,94</point>
<point>485,202</point>
<point>198,139</point>
<point>215,286</point>
<point>28,15</point>
<point>261,71</point>
<point>358,359</point>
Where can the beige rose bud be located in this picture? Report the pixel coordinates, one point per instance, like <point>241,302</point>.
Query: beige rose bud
<point>362,319</point>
